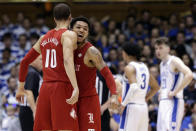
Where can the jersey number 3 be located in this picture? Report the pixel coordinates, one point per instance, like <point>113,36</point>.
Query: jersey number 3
<point>143,85</point>
<point>50,55</point>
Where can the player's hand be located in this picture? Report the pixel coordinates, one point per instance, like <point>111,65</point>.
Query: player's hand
<point>121,109</point>
<point>74,97</point>
<point>171,94</point>
<point>114,104</point>
<point>20,95</point>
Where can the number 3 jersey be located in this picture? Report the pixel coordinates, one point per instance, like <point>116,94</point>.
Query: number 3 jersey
<point>52,57</point>
<point>170,80</point>
<point>142,78</point>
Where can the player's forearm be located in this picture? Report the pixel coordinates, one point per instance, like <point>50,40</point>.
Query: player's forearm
<point>21,85</point>
<point>186,80</point>
<point>30,100</point>
<point>69,67</point>
<point>106,73</point>
<point>133,87</point>
<point>151,93</point>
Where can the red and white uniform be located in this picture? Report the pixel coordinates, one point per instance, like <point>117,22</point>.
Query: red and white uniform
<point>52,112</point>
<point>89,115</point>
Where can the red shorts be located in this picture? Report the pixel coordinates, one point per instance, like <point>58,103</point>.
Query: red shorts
<point>89,114</point>
<point>52,111</point>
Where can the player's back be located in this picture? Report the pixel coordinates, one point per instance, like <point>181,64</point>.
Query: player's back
<point>169,79</point>
<point>52,57</point>
<point>142,77</point>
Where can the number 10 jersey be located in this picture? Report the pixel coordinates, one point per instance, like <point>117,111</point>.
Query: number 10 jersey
<point>52,57</point>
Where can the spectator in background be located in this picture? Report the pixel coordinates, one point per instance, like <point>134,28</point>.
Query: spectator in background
<point>24,47</point>
<point>112,60</point>
<point>11,122</point>
<point>7,25</point>
<point>130,27</point>
<point>173,29</point>
<point>104,46</point>
<point>40,27</point>
<point>193,123</point>
<point>193,55</point>
<point>188,61</point>
<point>121,39</point>
<point>7,42</point>
<point>188,23</point>
<point>9,96</point>
<point>33,38</point>
<point>19,18</point>
<point>15,71</point>
<point>147,52</point>
<point>190,92</point>
<point>97,32</point>
<point>121,66</point>
<point>181,47</point>
<point>6,63</point>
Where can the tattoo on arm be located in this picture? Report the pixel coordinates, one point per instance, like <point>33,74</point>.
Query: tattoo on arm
<point>96,55</point>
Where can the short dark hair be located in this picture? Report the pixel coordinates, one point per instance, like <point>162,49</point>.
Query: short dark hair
<point>80,18</point>
<point>7,35</point>
<point>132,50</point>
<point>162,40</point>
<point>61,11</point>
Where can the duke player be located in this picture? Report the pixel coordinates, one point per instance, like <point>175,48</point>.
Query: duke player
<point>134,93</point>
<point>175,76</point>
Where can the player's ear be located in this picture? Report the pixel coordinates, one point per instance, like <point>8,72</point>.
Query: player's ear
<point>70,18</point>
<point>54,20</point>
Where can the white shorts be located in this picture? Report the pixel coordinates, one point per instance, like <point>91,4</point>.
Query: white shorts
<point>134,118</point>
<point>170,114</point>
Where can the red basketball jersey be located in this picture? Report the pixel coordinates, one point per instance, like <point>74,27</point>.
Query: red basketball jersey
<point>52,57</point>
<point>86,76</point>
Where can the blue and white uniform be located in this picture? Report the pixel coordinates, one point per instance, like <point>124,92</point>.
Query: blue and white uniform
<point>170,111</point>
<point>135,114</point>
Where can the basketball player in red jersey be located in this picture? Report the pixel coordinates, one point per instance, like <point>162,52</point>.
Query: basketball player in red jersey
<point>59,92</point>
<point>87,61</point>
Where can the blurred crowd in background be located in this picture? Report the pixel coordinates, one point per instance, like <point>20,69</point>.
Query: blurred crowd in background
<point>108,36</point>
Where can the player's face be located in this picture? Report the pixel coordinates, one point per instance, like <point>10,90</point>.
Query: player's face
<point>82,29</point>
<point>161,51</point>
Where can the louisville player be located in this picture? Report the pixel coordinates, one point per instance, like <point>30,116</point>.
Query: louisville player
<point>55,111</point>
<point>87,61</point>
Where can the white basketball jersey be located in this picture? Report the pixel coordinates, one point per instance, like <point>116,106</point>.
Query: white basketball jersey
<point>169,79</point>
<point>142,77</point>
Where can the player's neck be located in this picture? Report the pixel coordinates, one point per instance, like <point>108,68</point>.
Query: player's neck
<point>61,24</point>
<point>80,45</point>
<point>166,58</point>
<point>131,59</point>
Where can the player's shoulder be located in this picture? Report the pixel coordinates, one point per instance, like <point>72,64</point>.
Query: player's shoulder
<point>176,60</point>
<point>93,51</point>
<point>129,68</point>
<point>41,37</point>
<point>70,34</point>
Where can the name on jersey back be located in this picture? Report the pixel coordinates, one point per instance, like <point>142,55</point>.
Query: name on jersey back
<point>50,40</point>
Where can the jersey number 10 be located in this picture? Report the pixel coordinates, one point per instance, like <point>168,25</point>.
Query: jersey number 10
<point>50,55</point>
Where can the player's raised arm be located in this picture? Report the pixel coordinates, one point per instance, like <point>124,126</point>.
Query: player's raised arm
<point>154,88</point>
<point>69,43</point>
<point>98,62</point>
<point>29,58</point>
<point>188,75</point>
